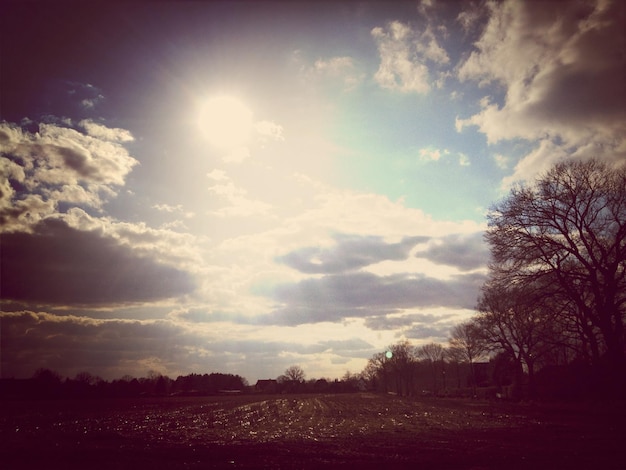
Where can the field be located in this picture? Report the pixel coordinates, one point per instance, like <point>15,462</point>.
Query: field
<point>309,431</point>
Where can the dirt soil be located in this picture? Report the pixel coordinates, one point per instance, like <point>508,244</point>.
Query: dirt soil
<point>309,431</point>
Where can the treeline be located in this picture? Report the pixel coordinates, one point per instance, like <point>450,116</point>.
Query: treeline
<point>46,384</point>
<point>445,371</point>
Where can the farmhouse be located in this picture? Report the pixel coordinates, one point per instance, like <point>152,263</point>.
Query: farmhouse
<point>266,386</point>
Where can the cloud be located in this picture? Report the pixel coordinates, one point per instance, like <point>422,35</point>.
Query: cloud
<point>466,252</point>
<point>471,17</point>
<point>562,69</point>
<point>57,264</point>
<point>250,267</point>
<point>438,333</point>
<point>71,344</point>
<point>58,165</point>
<point>106,133</point>
<point>403,57</point>
<point>349,253</point>
<point>339,296</point>
<point>430,154</point>
<point>112,348</point>
<point>502,161</point>
<point>168,208</point>
<point>238,204</point>
<point>339,68</point>
<point>269,130</point>
<point>543,157</point>
<point>329,72</point>
<point>427,327</point>
<point>394,322</point>
<point>464,160</point>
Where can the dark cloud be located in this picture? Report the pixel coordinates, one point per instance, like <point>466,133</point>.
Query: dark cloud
<point>70,344</point>
<point>383,322</point>
<point>597,38</point>
<point>335,297</point>
<point>350,252</point>
<point>204,315</point>
<point>415,325</point>
<point>114,348</point>
<point>439,332</point>
<point>57,264</point>
<point>465,252</point>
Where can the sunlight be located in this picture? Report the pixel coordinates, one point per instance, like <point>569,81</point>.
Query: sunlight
<point>226,122</point>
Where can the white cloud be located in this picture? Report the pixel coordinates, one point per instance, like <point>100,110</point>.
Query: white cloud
<point>404,53</point>
<point>399,69</point>
<point>59,164</point>
<point>269,129</point>
<point>501,160</point>
<point>560,67</point>
<point>330,71</point>
<point>237,155</point>
<point>106,133</point>
<point>430,154</point>
<point>168,208</point>
<point>238,204</point>
<point>544,156</point>
<point>471,16</point>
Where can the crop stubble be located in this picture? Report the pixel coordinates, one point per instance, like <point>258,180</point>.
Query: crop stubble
<point>308,431</point>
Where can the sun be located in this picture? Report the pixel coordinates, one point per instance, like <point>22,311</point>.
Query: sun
<point>225,122</point>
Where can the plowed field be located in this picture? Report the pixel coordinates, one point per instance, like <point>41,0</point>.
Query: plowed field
<point>309,431</point>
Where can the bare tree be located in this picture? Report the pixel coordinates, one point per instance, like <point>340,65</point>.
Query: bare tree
<point>467,345</point>
<point>401,359</point>
<point>294,374</point>
<point>377,371</point>
<point>514,319</point>
<point>433,354</point>
<point>571,226</point>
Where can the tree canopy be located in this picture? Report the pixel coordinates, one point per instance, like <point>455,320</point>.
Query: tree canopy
<point>566,233</point>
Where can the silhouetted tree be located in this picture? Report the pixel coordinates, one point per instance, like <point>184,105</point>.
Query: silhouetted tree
<point>377,372</point>
<point>295,373</point>
<point>570,226</point>
<point>514,319</point>
<point>466,345</point>
<point>433,354</point>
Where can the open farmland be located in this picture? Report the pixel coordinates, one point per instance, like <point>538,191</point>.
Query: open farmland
<point>308,431</point>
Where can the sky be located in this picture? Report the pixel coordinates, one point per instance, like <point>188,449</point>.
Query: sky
<point>196,187</point>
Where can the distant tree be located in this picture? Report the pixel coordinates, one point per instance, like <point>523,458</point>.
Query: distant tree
<point>87,378</point>
<point>48,382</point>
<point>47,376</point>
<point>514,319</point>
<point>377,372</point>
<point>402,360</point>
<point>295,374</point>
<point>433,354</point>
<point>467,345</point>
<point>455,357</point>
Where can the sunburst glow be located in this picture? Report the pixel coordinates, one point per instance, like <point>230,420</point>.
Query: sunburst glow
<point>226,122</point>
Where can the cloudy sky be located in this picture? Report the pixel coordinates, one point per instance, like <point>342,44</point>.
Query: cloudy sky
<point>239,187</point>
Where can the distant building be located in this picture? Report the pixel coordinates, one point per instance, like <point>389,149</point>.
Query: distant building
<point>266,386</point>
